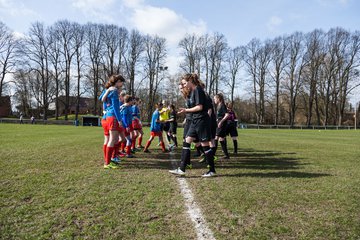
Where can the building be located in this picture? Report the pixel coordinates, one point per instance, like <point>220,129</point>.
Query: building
<point>86,105</point>
<point>5,106</point>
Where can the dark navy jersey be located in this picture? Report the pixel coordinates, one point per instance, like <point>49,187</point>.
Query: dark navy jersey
<point>198,97</point>
<point>221,111</point>
<point>188,116</point>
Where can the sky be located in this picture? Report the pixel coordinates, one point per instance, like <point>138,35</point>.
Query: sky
<point>239,20</point>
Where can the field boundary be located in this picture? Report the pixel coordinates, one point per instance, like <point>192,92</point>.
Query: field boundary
<point>202,229</point>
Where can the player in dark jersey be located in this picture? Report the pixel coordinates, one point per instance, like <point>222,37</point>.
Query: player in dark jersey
<point>221,115</point>
<point>199,126</point>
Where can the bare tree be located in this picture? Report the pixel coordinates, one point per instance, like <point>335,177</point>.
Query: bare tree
<point>79,42</point>
<point>218,50</point>
<point>349,70</point>
<point>8,45</point>
<point>56,65</point>
<point>279,51</point>
<point>235,61</point>
<point>114,39</point>
<point>65,30</point>
<point>257,59</point>
<point>190,50</point>
<point>134,50</point>
<point>293,78</point>
<point>94,51</point>
<point>251,63</point>
<point>155,49</point>
<point>35,49</point>
<point>313,58</point>
<point>22,91</point>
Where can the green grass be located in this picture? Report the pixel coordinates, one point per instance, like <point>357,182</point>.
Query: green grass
<point>284,184</point>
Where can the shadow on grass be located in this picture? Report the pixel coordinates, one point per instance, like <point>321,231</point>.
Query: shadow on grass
<point>285,163</point>
<point>285,174</point>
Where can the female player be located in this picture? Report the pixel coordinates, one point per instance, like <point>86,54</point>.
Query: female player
<point>199,126</point>
<point>232,126</point>
<point>137,125</point>
<point>113,118</point>
<point>173,124</point>
<point>155,129</point>
<point>222,115</point>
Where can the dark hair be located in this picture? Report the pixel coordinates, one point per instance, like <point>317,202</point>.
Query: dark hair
<point>172,106</point>
<point>229,105</point>
<point>220,97</point>
<point>193,78</point>
<point>128,98</point>
<point>184,91</point>
<point>113,79</point>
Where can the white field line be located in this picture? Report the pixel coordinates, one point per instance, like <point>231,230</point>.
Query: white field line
<point>202,230</point>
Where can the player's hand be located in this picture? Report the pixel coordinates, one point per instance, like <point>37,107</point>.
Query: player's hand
<point>181,110</point>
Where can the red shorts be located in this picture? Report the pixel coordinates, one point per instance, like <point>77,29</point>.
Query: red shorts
<point>104,125</point>
<point>156,134</point>
<point>113,124</point>
<point>121,129</point>
<point>127,133</point>
<point>136,124</point>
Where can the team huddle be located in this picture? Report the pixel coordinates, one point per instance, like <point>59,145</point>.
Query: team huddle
<point>206,123</point>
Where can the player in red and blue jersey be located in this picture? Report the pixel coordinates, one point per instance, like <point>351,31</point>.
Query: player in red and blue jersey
<point>113,117</point>
<point>155,129</point>
<point>136,123</point>
<point>126,113</point>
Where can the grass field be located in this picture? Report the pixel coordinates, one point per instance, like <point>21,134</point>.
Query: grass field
<point>283,184</point>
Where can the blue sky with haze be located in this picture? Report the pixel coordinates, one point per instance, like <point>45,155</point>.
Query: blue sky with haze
<point>239,21</point>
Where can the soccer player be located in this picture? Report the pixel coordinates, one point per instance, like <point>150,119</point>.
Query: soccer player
<point>113,117</point>
<point>137,125</point>
<point>126,113</point>
<point>155,129</point>
<point>222,115</point>
<point>165,125</point>
<point>232,126</point>
<point>173,124</point>
<point>199,126</point>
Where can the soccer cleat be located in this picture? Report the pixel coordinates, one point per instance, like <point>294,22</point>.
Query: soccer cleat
<point>189,166</point>
<point>116,160</point>
<point>139,146</point>
<point>177,171</point>
<point>111,165</point>
<point>130,156</point>
<point>202,160</point>
<point>146,151</point>
<point>225,157</point>
<point>209,174</point>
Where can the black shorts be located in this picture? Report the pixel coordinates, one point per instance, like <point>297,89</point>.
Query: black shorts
<point>173,127</point>
<point>232,130</point>
<point>222,131</point>
<point>200,128</point>
<point>165,126</point>
<point>186,127</point>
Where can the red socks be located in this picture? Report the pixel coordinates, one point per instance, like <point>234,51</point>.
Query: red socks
<point>162,146</point>
<point>109,152</point>
<point>139,141</point>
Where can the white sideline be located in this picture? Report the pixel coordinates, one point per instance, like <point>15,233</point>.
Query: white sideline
<point>202,230</point>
